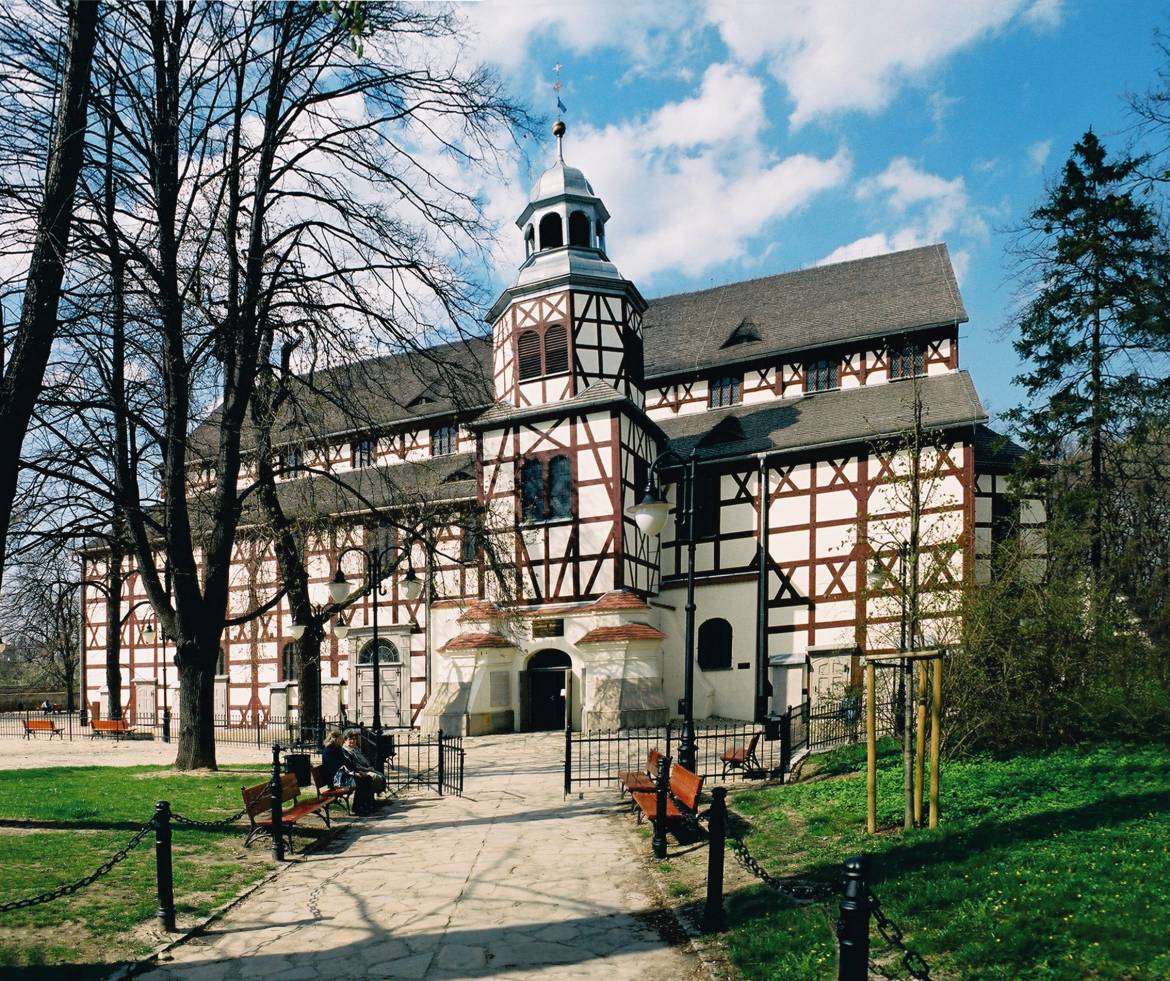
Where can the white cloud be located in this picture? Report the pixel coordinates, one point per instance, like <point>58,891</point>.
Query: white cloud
<point>1045,13</point>
<point>925,207</point>
<point>691,184</point>
<point>1038,154</point>
<point>835,55</point>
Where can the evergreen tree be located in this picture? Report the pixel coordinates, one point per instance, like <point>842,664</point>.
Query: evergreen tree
<point>1094,334</point>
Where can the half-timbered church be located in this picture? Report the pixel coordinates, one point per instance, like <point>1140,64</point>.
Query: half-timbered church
<point>798,398</point>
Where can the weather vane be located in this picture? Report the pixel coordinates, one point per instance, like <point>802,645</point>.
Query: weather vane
<point>557,88</point>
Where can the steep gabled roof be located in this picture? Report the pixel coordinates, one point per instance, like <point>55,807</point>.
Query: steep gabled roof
<point>794,311</point>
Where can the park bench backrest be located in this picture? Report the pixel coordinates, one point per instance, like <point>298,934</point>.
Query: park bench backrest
<point>652,759</point>
<point>751,747</point>
<point>111,725</point>
<point>685,786</point>
<point>319,780</point>
<point>258,799</point>
<point>45,724</point>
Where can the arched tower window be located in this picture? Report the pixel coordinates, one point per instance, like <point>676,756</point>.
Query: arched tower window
<point>529,241</point>
<point>532,490</point>
<point>556,350</point>
<point>715,645</point>
<point>578,229</point>
<point>552,235</point>
<point>560,488</point>
<point>528,354</point>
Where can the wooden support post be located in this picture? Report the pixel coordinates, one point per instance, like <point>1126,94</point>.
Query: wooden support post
<point>935,732</point>
<point>870,749</point>
<point>921,669</point>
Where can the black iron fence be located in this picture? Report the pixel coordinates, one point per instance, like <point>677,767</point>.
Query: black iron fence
<point>430,761</point>
<point>37,724</point>
<point>725,750</point>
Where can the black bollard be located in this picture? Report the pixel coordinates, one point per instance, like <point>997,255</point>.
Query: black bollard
<point>163,872</point>
<point>660,786</point>
<point>441,763</point>
<point>568,759</point>
<point>277,807</point>
<point>853,924</point>
<point>713,919</point>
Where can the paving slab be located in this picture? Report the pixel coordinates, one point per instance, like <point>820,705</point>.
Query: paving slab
<point>510,882</point>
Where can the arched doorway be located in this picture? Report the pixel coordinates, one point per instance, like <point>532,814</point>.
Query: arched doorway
<point>390,675</point>
<point>545,686</point>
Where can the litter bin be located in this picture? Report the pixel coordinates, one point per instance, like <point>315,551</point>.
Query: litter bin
<point>301,765</point>
<point>771,728</point>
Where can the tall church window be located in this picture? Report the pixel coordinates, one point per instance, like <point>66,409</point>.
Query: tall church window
<point>468,540</point>
<point>907,360</point>
<point>820,375</point>
<point>578,229</point>
<point>292,461</point>
<point>528,354</point>
<point>560,488</point>
<point>287,662</point>
<point>725,391</point>
<point>552,235</point>
<point>532,490</point>
<point>556,350</point>
<point>442,440</point>
<point>715,645</point>
<point>706,491</point>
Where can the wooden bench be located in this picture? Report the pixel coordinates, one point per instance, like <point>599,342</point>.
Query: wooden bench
<point>643,780</point>
<point>742,757</point>
<point>258,805</point>
<point>33,726</point>
<point>331,795</point>
<point>109,727</point>
<point>682,800</point>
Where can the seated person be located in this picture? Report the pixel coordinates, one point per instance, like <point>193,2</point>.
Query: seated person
<point>362,766</point>
<point>336,762</point>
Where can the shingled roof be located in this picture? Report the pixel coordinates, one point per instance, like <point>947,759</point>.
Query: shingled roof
<point>829,418</point>
<point>794,311</point>
<point>740,322</point>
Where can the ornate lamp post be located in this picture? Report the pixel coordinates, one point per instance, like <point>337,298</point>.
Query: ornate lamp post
<point>650,515</point>
<point>379,564</point>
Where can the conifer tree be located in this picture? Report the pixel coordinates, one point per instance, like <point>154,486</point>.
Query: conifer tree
<point>1093,334</point>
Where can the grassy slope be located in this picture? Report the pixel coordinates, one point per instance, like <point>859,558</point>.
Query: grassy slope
<point>77,819</point>
<point>1047,866</point>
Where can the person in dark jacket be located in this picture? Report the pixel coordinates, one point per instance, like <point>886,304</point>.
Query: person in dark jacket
<point>336,761</point>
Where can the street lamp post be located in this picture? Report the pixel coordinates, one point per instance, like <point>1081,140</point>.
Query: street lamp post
<point>650,515</point>
<point>378,565</point>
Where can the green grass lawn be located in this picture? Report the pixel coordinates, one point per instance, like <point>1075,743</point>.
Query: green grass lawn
<point>60,824</point>
<point>1046,866</point>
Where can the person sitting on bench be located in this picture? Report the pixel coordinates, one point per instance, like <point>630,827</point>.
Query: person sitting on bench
<point>362,766</point>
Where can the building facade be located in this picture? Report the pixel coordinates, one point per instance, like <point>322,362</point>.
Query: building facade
<point>823,409</point>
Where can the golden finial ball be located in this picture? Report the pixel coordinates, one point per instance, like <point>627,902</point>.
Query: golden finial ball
<point>558,128</point>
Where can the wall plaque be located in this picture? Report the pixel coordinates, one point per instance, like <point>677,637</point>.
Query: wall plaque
<point>554,627</point>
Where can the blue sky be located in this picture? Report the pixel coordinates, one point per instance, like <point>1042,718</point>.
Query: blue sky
<point>739,140</point>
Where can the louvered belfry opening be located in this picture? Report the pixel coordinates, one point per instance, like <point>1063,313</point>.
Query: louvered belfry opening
<point>528,354</point>
<point>556,350</point>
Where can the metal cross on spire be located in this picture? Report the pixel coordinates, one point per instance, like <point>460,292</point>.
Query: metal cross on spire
<point>557,88</point>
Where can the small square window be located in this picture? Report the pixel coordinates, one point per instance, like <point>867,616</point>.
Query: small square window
<point>907,361</point>
<point>362,453</point>
<point>443,439</point>
<point>725,391</point>
<point>292,460</point>
<point>820,376</point>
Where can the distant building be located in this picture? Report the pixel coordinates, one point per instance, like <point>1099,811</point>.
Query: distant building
<point>794,393</point>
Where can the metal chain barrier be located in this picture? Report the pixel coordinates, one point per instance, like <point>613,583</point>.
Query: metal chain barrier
<point>891,933</point>
<point>72,887</point>
<point>207,825</point>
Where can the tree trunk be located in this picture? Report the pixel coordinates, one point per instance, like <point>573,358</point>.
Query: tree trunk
<point>196,705</point>
<point>22,382</point>
<point>114,627</point>
<point>308,668</point>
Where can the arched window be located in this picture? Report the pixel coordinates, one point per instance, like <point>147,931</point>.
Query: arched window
<point>288,662</point>
<point>715,645</point>
<point>560,488</point>
<point>528,354</point>
<point>387,653</point>
<point>532,490</point>
<point>529,241</point>
<point>578,229</point>
<point>556,350</point>
<point>552,235</point>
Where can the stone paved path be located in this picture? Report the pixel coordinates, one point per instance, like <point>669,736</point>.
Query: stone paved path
<point>510,882</point>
